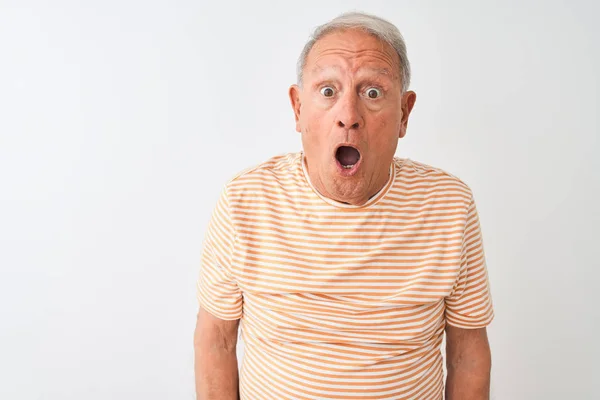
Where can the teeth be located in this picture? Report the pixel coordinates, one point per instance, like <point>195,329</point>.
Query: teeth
<point>348,166</point>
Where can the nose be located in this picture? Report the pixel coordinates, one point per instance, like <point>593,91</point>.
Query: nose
<point>349,116</point>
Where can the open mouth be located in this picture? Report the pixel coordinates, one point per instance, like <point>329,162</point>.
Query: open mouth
<point>347,156</point>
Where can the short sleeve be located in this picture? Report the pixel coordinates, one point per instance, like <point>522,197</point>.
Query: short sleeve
<point>469,306</point>
<point>217,290</point>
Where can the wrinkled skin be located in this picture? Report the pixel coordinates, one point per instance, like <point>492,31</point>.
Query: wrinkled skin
<point>351,94</point>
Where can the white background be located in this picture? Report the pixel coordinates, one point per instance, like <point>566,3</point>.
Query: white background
<point>120,121</point>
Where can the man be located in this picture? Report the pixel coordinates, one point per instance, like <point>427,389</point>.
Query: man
<point>343,265</point>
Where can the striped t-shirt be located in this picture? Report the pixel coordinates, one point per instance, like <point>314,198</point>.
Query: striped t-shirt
<point>339,301</point>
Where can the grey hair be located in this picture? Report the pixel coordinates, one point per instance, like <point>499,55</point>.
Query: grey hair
<point>378,27</point>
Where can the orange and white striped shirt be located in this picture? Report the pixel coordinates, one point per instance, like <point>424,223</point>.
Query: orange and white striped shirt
<point>339,301</point>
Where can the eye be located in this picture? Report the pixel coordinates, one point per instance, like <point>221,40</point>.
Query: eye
<point>373,93</point>
<point>327,91</point>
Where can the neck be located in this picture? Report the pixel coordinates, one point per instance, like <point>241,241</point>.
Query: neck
<point>318,185</point>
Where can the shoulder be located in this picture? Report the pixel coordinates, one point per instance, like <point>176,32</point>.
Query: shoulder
<point>431,178</point>
<point>276,166</point>
<point>269,178</point>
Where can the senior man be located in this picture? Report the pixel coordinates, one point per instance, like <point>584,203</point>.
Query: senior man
<point>342,264</point>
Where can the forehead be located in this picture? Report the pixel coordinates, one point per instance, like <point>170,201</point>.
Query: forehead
<point>352,51</point>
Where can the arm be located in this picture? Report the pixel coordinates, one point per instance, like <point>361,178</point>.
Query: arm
<point>215,361</point>
<point>468,311</point>
<point>468,360</point>
<point>221,307</point>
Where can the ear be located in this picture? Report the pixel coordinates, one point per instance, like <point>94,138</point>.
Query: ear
<point>408,102</point>
<point>294,93</point>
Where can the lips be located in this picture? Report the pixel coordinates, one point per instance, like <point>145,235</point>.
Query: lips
<point>348,160</point>
<point>347,156</point>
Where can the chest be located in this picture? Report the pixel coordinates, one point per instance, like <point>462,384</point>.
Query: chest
<point>378,256</point>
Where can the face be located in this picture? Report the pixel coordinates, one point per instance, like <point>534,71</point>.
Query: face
<point>351,112</point>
